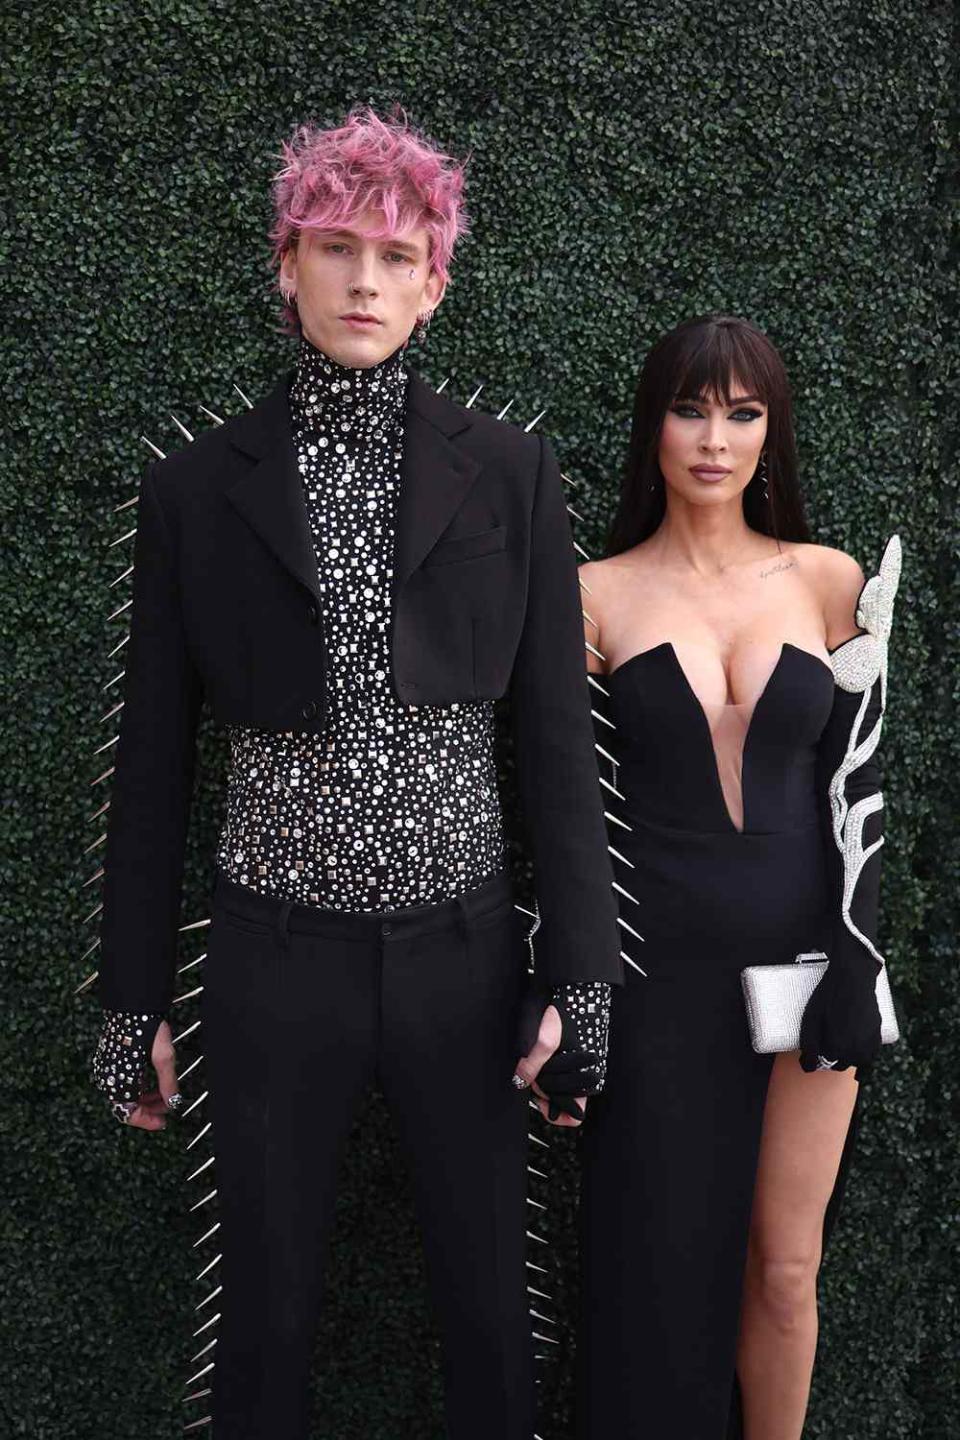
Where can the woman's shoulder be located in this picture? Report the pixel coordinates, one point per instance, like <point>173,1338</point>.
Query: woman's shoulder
<point>837,580</point>
<point>829,568</point>
<point>616,579</point>
<point>611,569</point>
<point>595,570</point>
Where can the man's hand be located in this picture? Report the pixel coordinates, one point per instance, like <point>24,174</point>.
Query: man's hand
<point>120,1068</point>
<point>530,1065</point>
<point>568,1060</point>
<point>152,1107</point>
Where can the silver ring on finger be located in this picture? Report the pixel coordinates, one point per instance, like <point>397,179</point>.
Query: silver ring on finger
<point>520,1083</point>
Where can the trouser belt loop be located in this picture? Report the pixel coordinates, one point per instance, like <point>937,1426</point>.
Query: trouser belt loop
<point>283,917</point>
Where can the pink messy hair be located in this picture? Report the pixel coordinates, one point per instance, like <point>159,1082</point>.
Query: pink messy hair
<point>331,176</point>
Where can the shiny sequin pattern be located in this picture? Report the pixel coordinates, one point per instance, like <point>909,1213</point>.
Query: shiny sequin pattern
<point>393,805</point>
<point>584,1010</point>
<point>120,1059</point>
<point>858,665</point>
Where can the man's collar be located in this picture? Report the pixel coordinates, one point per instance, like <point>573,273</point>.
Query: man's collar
<point>325,394</point>
<point>269,423</point>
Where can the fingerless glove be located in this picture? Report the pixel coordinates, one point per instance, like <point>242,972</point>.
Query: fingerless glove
<point>578,1066</point>
<point>119,1064</point>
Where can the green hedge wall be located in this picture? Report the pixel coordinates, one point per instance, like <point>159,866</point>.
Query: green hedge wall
<point>632,165</point>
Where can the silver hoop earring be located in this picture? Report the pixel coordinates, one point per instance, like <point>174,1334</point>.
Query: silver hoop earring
<point>423,322</point>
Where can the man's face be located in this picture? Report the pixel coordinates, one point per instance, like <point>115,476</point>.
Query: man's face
<point>342,275</point>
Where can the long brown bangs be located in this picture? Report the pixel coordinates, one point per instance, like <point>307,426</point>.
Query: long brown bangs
<point>727,364</point>
<point>726,358</point>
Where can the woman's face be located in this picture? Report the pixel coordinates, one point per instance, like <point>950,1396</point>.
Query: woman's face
<point>709,451</point>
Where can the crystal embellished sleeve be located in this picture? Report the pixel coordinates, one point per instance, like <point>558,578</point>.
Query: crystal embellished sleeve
<point>579,1064</point>
<point>120,1059</point>
<point>841,1024</point>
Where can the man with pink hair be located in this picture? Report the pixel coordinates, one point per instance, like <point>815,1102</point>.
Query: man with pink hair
<point>351,575</point>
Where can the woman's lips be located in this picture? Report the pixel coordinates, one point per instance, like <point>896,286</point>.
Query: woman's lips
<point>709,472</point>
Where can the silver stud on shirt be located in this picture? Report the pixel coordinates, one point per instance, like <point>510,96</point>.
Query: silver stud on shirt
<point>331,819</point>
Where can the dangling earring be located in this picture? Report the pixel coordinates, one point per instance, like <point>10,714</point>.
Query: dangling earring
<point>422,322</point>
<point>288,296</point>
<point>762,475</point>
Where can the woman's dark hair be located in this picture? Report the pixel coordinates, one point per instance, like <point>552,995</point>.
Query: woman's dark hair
<point>700,359</point>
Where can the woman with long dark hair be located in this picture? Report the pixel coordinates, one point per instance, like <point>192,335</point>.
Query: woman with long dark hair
<point>743,670</point>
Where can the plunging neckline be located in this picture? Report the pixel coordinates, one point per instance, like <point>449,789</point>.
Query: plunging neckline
<point>669,646</point>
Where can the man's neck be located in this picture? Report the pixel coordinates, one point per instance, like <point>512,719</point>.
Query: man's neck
<point>324,390</point>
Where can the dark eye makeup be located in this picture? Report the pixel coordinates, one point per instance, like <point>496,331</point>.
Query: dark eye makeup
<point>744,414</point>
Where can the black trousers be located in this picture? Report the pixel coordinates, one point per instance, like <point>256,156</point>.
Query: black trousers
<point>302,1009</point>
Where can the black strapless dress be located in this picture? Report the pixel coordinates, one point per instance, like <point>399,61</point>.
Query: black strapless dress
<point>671,1146</point>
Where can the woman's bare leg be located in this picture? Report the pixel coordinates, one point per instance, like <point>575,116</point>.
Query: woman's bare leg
<point>805,1124</point>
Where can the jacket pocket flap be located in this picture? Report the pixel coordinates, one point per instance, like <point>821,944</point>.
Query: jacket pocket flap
<point>468,547</point>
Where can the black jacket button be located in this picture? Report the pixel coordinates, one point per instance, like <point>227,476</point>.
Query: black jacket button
<point>309,710</point>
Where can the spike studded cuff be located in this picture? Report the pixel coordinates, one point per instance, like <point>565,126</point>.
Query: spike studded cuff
<point>120,1060</point>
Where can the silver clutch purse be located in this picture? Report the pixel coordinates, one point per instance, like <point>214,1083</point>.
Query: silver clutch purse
<point>776,997</point>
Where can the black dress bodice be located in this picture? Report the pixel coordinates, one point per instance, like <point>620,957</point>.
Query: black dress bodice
<point>667,768</point>
<point>697,881</point>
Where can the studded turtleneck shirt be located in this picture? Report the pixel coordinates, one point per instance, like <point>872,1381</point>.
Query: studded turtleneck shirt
<point>392,805</point>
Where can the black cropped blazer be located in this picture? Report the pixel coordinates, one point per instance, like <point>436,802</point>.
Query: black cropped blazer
<point>226,610</point>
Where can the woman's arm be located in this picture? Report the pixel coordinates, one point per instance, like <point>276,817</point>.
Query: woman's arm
<point>841,1024</point>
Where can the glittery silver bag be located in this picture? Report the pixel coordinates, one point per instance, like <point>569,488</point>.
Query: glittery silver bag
<point>776,997</point>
